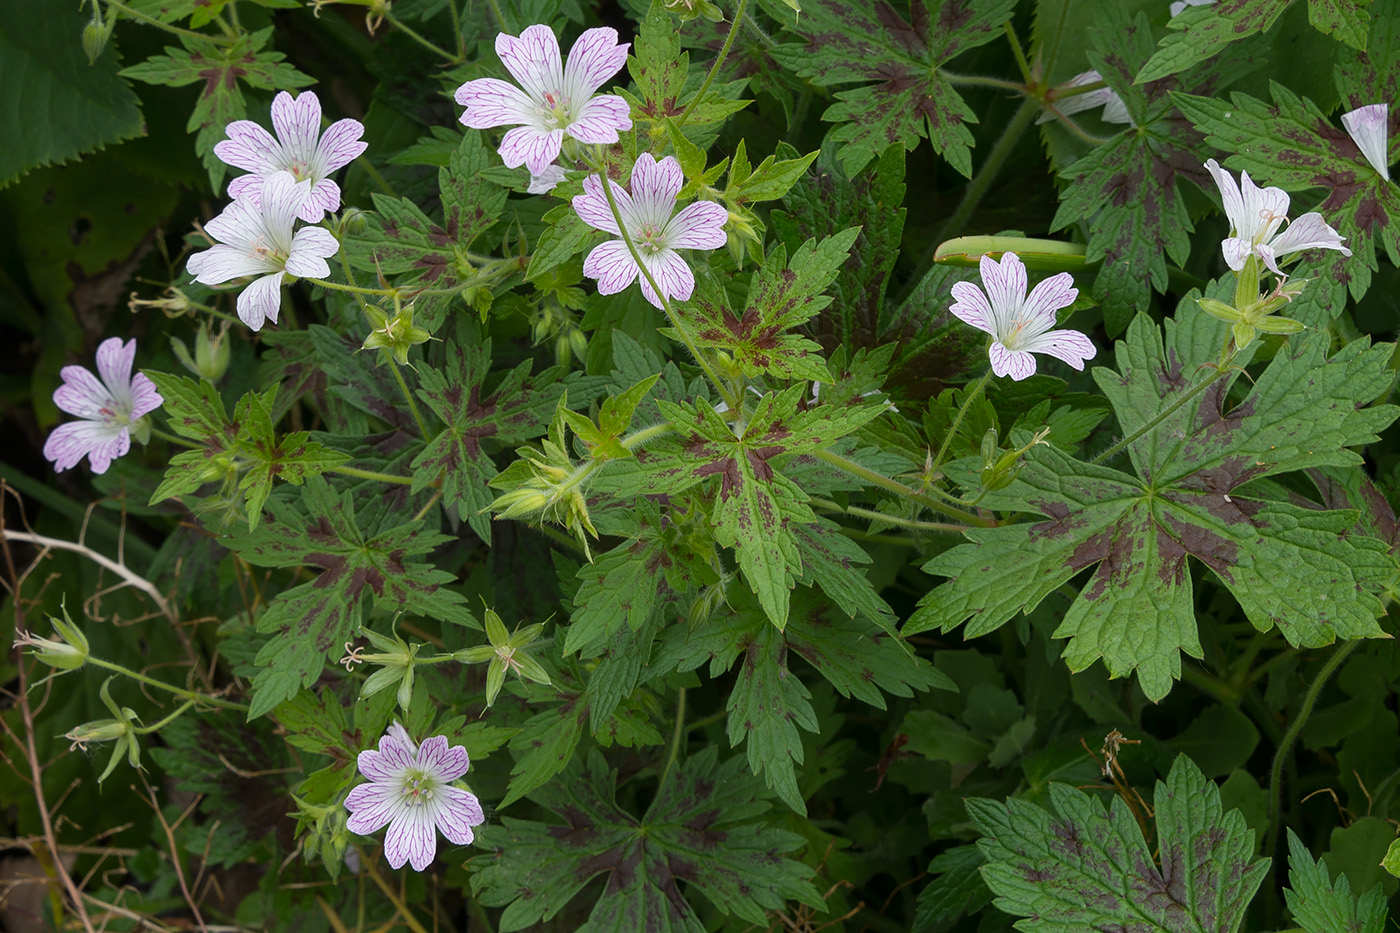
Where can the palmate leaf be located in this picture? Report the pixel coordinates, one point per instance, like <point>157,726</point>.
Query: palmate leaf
<point>769,703</point>
<point>400,240</point>
<point>310,618</point>
<point>1084,868</point>
<point>516,410</point>
<point>1205,30</point>
<point>221,67</point>
<point>1319,906</point>
<point>1126,189</point>
<point>1305,569</point>
<point>703,827</point>
<point>756,504</point>
<point>1294,146</point>
<point>782,296</point>
<point>905,97</point>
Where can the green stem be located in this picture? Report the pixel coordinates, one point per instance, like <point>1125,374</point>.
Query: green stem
<point>178,691</point>
<point>173,439</point>
<point>665,302</point>
<point>1165,413</point>
<point>161,724</point>
<point>412,405</point>
<point>858,512</point>
<point>152,21</point>
<point>675,738</point>
<point>718,62</point>
<point>368,167</point>
<point>1294,728</point>
<point>370,474</point>
<point>353,289</point>
<point>421,40</point>
<point>767,40</point>
<point>457,29</point>
<point>981,81</point>
<point>500,17</point>
<point>1020,55</point>
<point>637,438</point>
<point>898,488</point>
<point>977,389</point>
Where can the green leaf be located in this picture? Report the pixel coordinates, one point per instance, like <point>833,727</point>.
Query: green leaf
<point>517,409</point>
<point>662,73</point>
<point>958,889</point>
<point>1084,868</point>
<point>65,105</point>
<point>771,180</point>
<point>782,295</point>
<point>1319,906</point>
<point>905,96</point>
<point>543,748</point>
<point>1293,145</point>
<point>1126,190</point>
<point>1296,566</point>
<point>221,67</point>
<point>1205,30</point>
<point>703,827</point>
<point>311,618</point>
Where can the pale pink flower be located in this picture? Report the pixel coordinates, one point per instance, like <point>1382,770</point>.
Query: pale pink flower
<point>299,147</point>
<point>1255,216</point>
<point>1114,110</point>
<point>647,212</point>
<point>410,791</point>
<point>557,99</point>
<point>258,240</point>
<point>1020,323</point>
<point>108,403</point>
<point>1369,128</point>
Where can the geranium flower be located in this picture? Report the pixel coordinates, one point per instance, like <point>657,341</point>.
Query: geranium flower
<point>1020,324</point>
<point>1369,128</point>
<point>108,403</point>
<point>1255,215</point>
<point>409,790</point>
<point>299,147</point>
<point>557,99</point>
<point>258,240</point>
<point>544,182</point>
<point>647,211</point>
<point>1114,110</point>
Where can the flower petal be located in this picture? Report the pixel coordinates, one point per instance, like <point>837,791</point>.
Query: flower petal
<point>339,146</point>
<point>1308,232</point>
<point>240,223</point>
<point>249,147</point>
<point>82,394</point>
<point>297,123</point>
<point>1049,296</point>
<point>1229,197</point>
<point>1369,128</point>
<point>447,763</point>
<point>654,188</point>
<point>595,57</point>
<point>531,147</point>
<point>533,60</point>
<point>971,307</point>
<point>371,807</point>
<point>544,182</point>
<point>261,301</point>
<point>1236,251</point>
<point>324,198</point>
<point>1068,345</point>
<point>697,226</point>
<point>311,247</point>
<point>114,369</point>
<point>1005,284</point>
<point>592,206</point>
<point>144,397</point>
<point>493,102</point>
<point>220,263</point>
<point>1264,208</point>
<point>1018,364</point>
<point>611,264</point>
<point>672,275</point>
<point>99,441</point>
<point>412,838</point>
<point>456,811</point>
<point>282,198</point>
<point>599,120</point>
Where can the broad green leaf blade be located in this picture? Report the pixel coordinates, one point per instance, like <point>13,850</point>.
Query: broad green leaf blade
<point>904,96</point>
<point>1084,868</point>
<point>1320,906</point>
<point>703,828</point>
<point>1204,30</point>
<point>56,105</point>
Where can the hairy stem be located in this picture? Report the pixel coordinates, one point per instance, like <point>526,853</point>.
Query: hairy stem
<point>716,65</point>
<point>371,474</point>
<point>898,488</point>
<point>1165,413</point>
<point>972,395</point>
<point>180,692</point>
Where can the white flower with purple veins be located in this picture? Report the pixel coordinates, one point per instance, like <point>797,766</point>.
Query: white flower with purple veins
<point>1369,128</point>
<point>108,403</point>
<point>410,790</point>
<point>1020,323</point>
<point>258,240</point>
<point>554,99</point>
<point>1114,110</point>
<point>299,147</point>
<point>544,182</point>
<point>1255,216</point>
<point>657,231</point>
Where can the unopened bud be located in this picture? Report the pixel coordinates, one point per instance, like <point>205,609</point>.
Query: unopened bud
<point>95,36</point>
<point>68,652</point>
<point>1218,309</point>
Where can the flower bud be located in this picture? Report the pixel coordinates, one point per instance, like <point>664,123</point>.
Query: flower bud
<point>95,36</point>
<point>1218,309</point>
<point>66,653</point>
<point>395,333</point>
<point>211,353</point>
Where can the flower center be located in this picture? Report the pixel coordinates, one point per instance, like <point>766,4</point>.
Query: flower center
<point>1266,220</point>
<point>1013,335</point>
<point>418,788</point>
<point>112,413</point>
<point>649,239</point>
<point>262,252</point>
<point>556,110</point>
<point>299,169</point>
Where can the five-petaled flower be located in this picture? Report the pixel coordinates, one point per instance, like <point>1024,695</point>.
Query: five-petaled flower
<point>410,790</point>
<point>1020,323</point>
<point>1255,216</point>
<point>299,147</point>
<point>108,403</point>
<point>647,213</point>
<point>258,240</point>
<point>557,99</point>
<point>1369,128</point>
